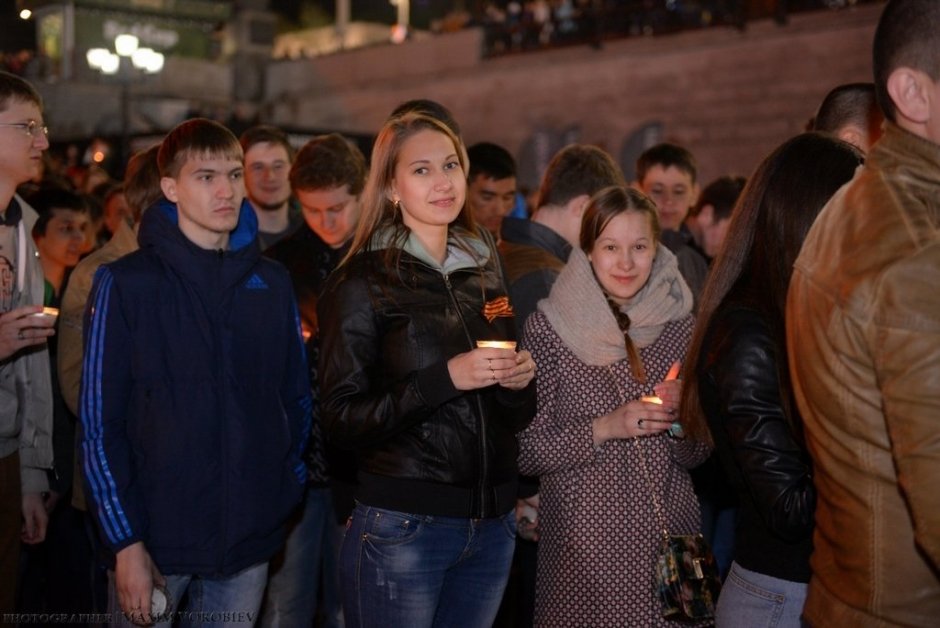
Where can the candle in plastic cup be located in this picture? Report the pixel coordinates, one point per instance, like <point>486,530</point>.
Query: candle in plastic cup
<point>497,344</point>
<point>652,399</point>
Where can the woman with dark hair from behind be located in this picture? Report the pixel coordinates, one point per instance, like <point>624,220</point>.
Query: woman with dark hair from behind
<point>737,394</point>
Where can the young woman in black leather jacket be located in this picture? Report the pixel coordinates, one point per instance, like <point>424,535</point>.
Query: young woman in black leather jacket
<point>737,393</point>
<point>432,419</point>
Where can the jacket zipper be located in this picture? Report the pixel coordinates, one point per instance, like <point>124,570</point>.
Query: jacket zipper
<point>216,305</point>
<point>478,509</point>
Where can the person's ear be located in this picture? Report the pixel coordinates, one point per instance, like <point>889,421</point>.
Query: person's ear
<point>168,185</point>
<point>391,193</point>
<point>853,135</point>
<point>706,215</point>
<point>910,93</point>
<point>578,204</point>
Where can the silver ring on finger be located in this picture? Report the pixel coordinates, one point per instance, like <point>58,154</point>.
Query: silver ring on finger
<point>639,423</point>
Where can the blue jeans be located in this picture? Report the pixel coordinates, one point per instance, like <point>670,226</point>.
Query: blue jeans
<point>749,599</point>
<point>312,549</point>
<point>223,602</point>
<point>400,569</point>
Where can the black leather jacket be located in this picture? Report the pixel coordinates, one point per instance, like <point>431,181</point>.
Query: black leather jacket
<point>422,445</point>
<point>762,458</point>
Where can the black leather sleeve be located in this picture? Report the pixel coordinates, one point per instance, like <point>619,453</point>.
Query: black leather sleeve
<point>359,407</point>
<point>773,466</point>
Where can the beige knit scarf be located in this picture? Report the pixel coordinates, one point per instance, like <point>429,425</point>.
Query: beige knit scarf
<point>578,311</point>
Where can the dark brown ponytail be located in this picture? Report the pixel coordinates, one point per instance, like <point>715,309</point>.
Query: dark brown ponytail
<point>623,322</point>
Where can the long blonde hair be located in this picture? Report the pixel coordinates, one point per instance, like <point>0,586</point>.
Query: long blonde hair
<point>378,210</point>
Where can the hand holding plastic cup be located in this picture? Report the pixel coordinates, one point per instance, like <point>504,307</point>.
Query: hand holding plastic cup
<point>496,344</point>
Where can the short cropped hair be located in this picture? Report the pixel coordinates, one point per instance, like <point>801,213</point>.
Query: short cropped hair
<point>142,181</point>
<point>15,89</point>
<point>721,194</point>
<point>576,170</point>
<point>906,36</point>
<point>327,162</point>
<point>852,103</point>
<point>265,134</point>
<point>490,160</point>
<point>666,155</point>
<point>46,199</point>
<point>198,137</point>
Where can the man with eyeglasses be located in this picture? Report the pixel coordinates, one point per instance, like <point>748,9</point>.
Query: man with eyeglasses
<point>25,377</point>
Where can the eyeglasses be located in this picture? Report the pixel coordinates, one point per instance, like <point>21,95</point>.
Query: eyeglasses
<point>31,128</point>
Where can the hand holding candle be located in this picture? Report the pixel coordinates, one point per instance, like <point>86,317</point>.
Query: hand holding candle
<point>669,391</point>
<point>520,373</point>
<point>492,362</point>
<point>25,326</point>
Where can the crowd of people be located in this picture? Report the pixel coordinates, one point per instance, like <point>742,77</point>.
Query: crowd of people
<point>512,26</point>
<point>290,386</point>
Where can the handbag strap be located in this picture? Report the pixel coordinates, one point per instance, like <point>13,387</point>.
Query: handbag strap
<point>639,450</point>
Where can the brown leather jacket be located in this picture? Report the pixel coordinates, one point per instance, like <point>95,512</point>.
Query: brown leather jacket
<point>863,323</point>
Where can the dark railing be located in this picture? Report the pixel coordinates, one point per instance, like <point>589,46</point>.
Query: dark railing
<point>512,27</point>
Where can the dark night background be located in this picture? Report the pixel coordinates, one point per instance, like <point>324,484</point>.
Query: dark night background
<point>17,34</point>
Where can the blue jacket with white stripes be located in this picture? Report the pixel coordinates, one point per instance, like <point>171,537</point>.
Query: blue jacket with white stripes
<point>195,400</point>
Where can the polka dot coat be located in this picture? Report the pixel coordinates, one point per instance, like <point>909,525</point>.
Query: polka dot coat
<point>600,533</point>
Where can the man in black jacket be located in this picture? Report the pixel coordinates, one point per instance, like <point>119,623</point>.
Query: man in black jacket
<point>327,178</point>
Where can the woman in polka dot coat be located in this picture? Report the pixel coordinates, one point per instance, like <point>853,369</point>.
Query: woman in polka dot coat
<point>618,317</point>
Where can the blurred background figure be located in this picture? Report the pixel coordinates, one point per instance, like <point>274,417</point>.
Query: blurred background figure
<point>668,174</point>
<point>713,212</point>
<point>59,235</point>
<point>116,210</point>
<point>851,113</point>
<point>327,178</point>
<point>268,156</point>
<point>491,185</point>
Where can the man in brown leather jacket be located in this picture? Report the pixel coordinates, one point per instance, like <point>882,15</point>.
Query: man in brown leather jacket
<point>863,327</point>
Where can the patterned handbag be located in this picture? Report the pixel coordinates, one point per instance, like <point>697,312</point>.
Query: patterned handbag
<point>686,578</point>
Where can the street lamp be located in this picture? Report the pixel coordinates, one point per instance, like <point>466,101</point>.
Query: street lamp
<point>145,60</point>
<point>400,30</point>
<point>127,46</point>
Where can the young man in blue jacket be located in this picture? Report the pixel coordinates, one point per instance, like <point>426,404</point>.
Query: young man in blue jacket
<point>194,399</point>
